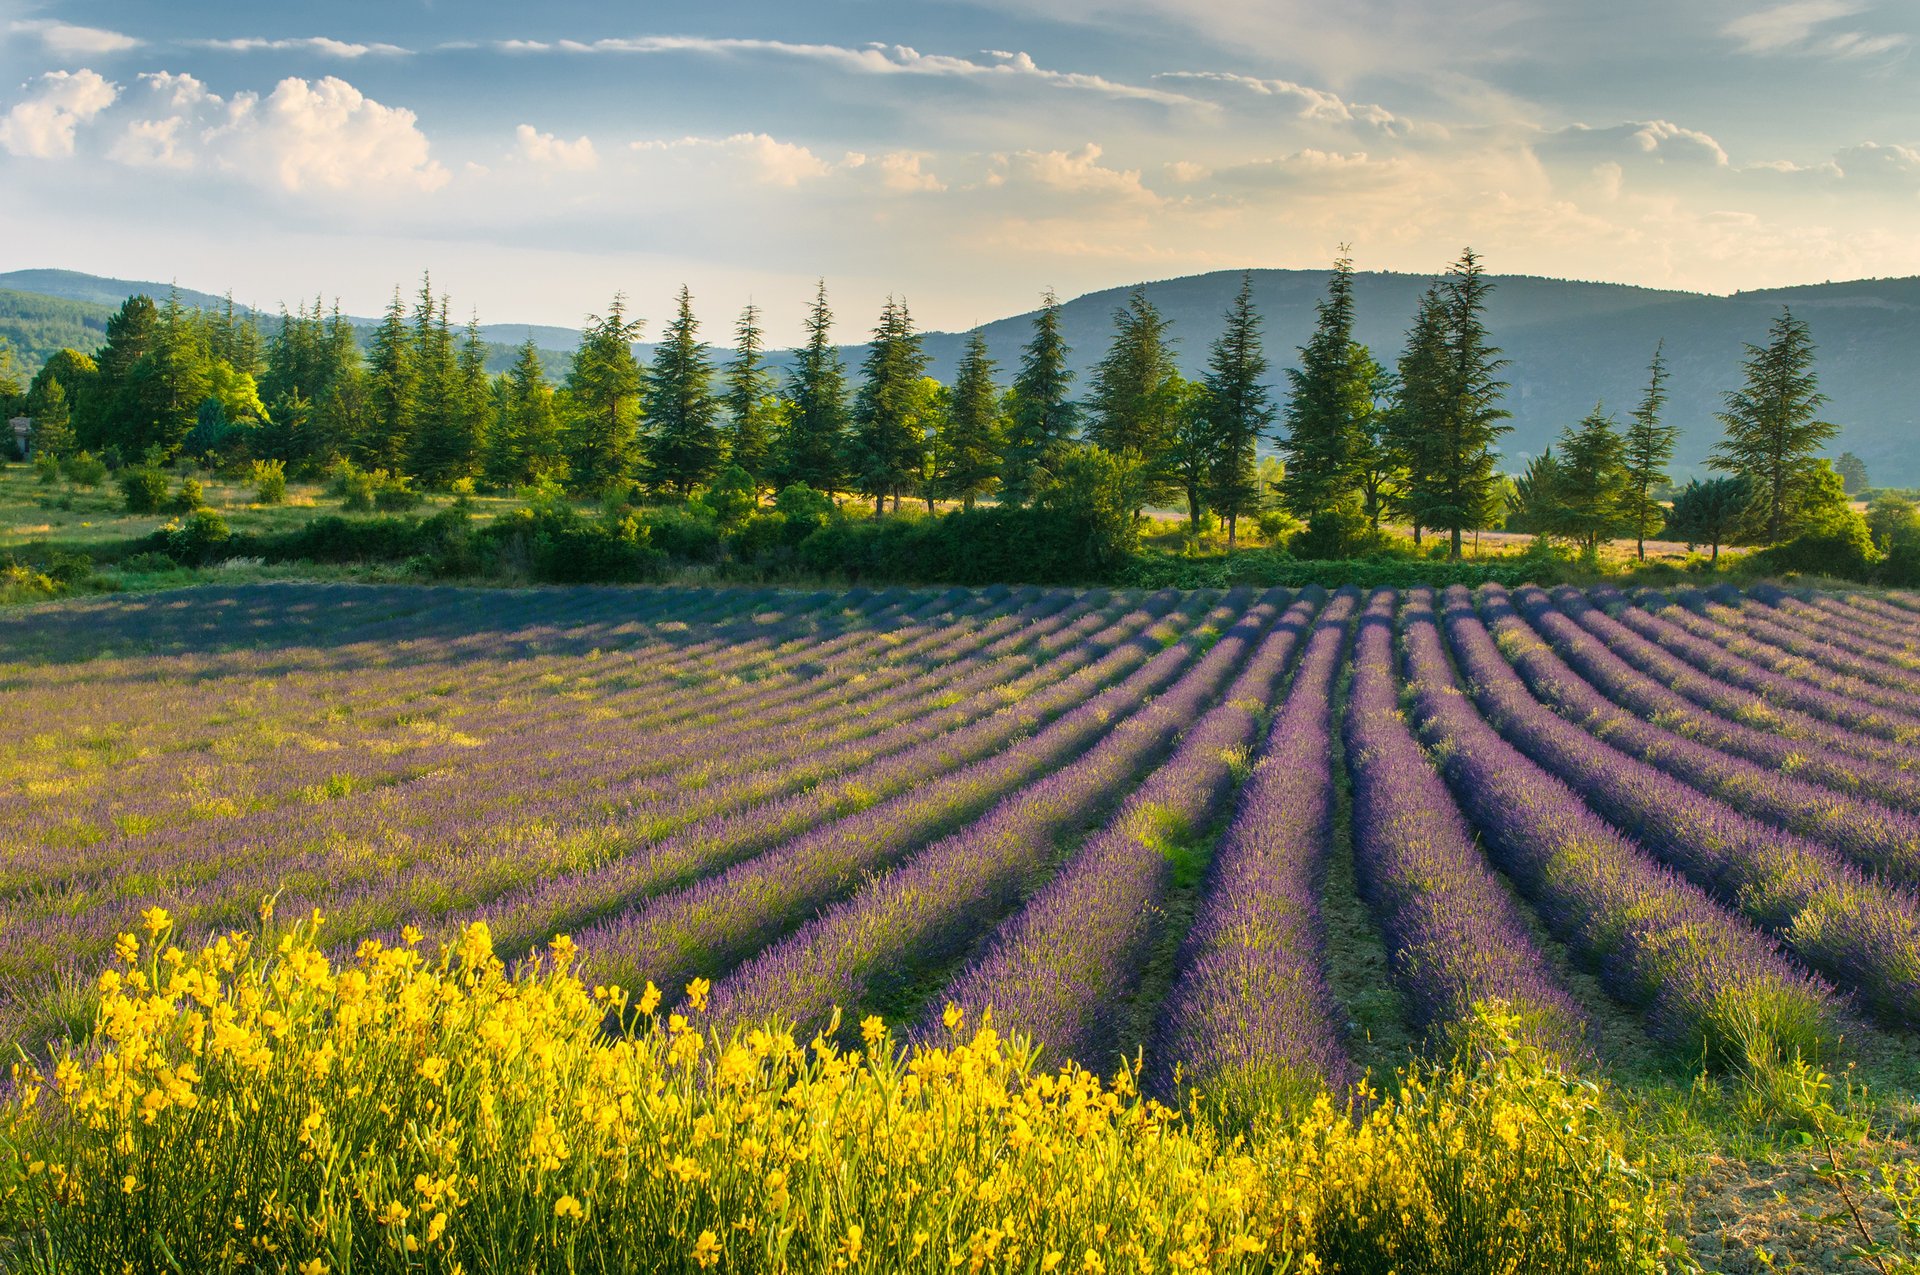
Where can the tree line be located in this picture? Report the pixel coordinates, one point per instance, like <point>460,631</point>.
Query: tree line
<point>1362,444</point>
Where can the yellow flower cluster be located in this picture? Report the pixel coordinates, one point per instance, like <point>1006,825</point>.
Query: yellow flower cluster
<point>258,1106</point>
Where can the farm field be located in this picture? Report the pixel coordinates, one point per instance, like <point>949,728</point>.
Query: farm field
<point>1268,844</point>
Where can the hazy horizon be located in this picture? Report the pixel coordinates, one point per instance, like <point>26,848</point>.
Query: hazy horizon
<point>963,155</point>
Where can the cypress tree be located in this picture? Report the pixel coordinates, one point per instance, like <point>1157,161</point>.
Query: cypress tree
<point>967,447</point>
<point>1773,431</point>
<point>886,449</point>
<point>1648,449</point>
<point>1238,410</point>
<point>1040,418</point>
<point>1409,443</point>
<point>602,401</point>
<point>751,407</point>
<point>683,440</point>
<point>810,448</point>
<point>1133,397</point>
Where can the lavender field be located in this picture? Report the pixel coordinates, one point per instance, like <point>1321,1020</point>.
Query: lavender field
<point>1126,822</point>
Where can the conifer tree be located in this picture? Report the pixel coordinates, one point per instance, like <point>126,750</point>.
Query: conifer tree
<point>1040,418</point>
<point>1238,410</point>
<point>392,392</point>
<point>1453,485</point>
<point>473,405</point>
<point>167,386</point>
<point>1134,400</point>
<point>602,401</point>
<point>1773,431</point>
<point>343,401</point>
<point>525,444</point>
<point>130,335</point>
<point>1649,448</point>
<point>886,448</point>
<point>750,403</point>
<point>682,414</point>
<point>79,379</point>
<point>1325,411</point>
<point>439,452</point>
<point>1193,449</point>
<point>1591,493</point>
<point>810,448</point>
<point>53,422</point>
<point>972,430</point>
<point>1417,390</point>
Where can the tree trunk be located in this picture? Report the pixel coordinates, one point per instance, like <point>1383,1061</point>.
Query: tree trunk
<point>1640,545</point>
<point>1232,521</point>
<point>879,504</point>
<point>896,500</point>
<point>1715,560</point>
<point>1453,544</point>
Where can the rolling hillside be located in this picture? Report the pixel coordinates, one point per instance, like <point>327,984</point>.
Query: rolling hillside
<point>1571,344</point>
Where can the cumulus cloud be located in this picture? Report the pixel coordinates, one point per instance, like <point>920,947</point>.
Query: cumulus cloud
<point>766,159</point>
<point>65,40</point>
<point>1316,105</point>
<point>319,135</point>
<point>1076,172</point>
<point>324,45</point>
<point>1659,142</point>
<point>549,151</point>
<point>44,124</point>
<point>1798,27</point>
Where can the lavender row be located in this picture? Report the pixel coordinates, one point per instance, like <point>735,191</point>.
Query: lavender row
<point>1060,969</point>
<point>1706,980</point>
<point>1866,833</point>
<point>1455,935</point>
<point>1846,627</point>
<point>1251,1016</point>
<point>1780,681</point>
<point>1658,701</point>
<point>722,919</point>
<point>1862,934</point>
<point>1890,764</point>
<point>1805,655</point>
<point>932,908</point>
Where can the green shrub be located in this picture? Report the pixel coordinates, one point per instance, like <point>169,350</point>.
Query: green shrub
<point>149,562</point>
<point>393,493</point>
<point>1842,549</point>
<point>731,500</point>
<point>84,469</point>
<point>46,467</point>
<point>190,497</point>
<point>144,489</point>
<point>269,481</point>
<point>197,539</point>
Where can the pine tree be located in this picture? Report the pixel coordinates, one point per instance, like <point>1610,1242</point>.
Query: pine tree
<point>1379,471</point>
<point>1773,431</point>
<point>101,418</point>
<point>1455,487</point>
<point>53,422</point>
<point>342,399</point>
<point>810,448</point>
<point>525,443</point>
<point>1649,449</point>
<point>1041,418</point>
<point>442,445</point>
<point>392,391</point>
<point>1133,400</point>
<point>1592,492</point>
<point>168,385</point>
<point>1710,512</point>
<point>1193,447</point>
<point>79,378</point>
<point>749,397</point>
<point>972,431</point>
<point>602,401</point>
<point>1238,410</point>
<point>886,448</point>
<point>682,414</point>
<point>1409,443</point>
<point>473,405</point>
<point>1853,473</point>
<point>1325,410</point>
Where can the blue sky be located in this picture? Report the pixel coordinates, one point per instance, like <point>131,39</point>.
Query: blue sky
<point>965,155</point>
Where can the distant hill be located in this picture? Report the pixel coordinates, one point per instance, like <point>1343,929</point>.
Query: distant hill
<point>1571,344</point>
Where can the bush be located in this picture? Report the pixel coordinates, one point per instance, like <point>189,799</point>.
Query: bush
<point>190,497</point>
<point>197,539</point>
<point>84,469</point>
<point>393,493</point>
<point>683,535</point>
<point>1842,549</point>
<point>731,500</point>
<point>143,488</point>
<point>269,481</point>
<point>149,562</point>
<point>46,467</point>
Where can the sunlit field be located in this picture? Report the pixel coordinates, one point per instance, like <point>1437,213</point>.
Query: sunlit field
<point>352,927</point>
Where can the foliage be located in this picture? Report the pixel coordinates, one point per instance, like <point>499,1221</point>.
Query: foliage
<point>269,481</point>
<point>683,443</point>
<point>1710,512</point>
<point>811,447</point>
<point>1649,445</point>
<point>1326,415</point>
<point>1134,399</point>
<point>195,539</point>
<point>602,402</point>
<point>971,433</point>
<point>753,412</point>
<point>893,412</point>
<point>84,469</point>
<point>731,500</point>
<point>1238,410</point>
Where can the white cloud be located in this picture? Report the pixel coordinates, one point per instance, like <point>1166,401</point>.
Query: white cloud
<point>902,172</point>
<point>44,124</point>
<point>65,40</point>
<point>1659,142</point>
<point>767,159</point>
<point>870,59</point>
<point>1795,27</point>
<point>549,151</point>
<point>1316,105</point>
<point>303,136</point>
<point>1077,172</point>
<point>320,44</point>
